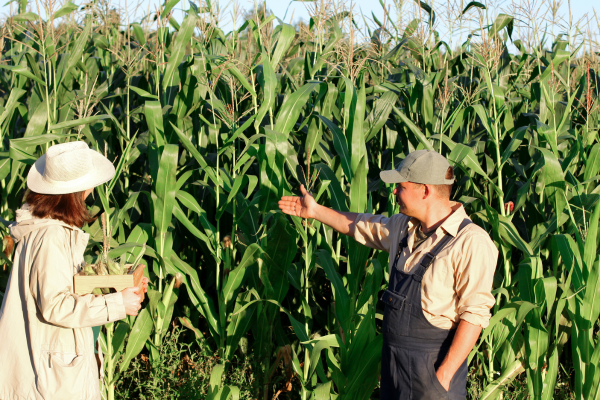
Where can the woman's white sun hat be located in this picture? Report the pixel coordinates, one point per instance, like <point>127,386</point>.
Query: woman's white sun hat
<point>69,168</point>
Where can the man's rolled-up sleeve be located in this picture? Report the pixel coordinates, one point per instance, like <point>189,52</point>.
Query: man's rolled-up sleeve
<point>373,231</point>
<point>474,279</point>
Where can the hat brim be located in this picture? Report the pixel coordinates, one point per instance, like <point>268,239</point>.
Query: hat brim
<point>103,171</point>
<point>392,176</point>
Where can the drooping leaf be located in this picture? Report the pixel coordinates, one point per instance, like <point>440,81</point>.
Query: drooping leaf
<point>66,9</point>
<point>502,21</point>
<point>471,5</point>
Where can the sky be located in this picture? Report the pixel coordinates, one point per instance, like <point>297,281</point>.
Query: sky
<point>297,10</point>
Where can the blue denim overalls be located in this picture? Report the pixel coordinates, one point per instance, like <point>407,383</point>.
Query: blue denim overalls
<point>412,347</point>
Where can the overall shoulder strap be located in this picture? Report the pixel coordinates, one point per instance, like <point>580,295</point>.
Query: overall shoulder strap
<point>429,257</point>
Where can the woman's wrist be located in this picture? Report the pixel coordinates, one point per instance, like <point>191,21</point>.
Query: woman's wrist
<point>115,306</point>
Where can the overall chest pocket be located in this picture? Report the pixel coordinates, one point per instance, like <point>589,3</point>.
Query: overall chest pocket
<point>396,317</point>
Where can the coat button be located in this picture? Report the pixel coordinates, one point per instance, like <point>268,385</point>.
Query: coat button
<point>390,299</point>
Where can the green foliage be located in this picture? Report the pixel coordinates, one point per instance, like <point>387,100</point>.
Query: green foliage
<point>208,129</point>
<point>182,371</point>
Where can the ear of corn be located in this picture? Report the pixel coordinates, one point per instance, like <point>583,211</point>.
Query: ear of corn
<point>209,129</point>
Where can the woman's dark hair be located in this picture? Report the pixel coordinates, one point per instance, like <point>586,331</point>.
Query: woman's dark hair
<point>69,208</point>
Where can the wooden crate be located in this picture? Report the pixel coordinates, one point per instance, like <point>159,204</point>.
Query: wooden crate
<point>83,284</point>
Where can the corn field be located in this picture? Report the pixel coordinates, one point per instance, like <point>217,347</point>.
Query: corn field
<point>209,129</point>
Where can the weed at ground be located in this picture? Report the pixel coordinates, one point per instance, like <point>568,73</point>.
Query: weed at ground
<point>182,371</point>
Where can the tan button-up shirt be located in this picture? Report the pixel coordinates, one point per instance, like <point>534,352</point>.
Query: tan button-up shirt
<point>459,282</point>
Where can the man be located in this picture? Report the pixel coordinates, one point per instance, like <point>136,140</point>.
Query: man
<point>441,272</point>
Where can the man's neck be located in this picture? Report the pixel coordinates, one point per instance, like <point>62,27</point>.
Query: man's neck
<point>435,217</point>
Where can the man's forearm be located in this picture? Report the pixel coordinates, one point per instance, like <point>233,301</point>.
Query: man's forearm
<point>464,340</point>
<point>343,222</point>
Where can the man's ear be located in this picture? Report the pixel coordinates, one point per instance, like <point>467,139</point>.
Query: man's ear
<point>427,191</point>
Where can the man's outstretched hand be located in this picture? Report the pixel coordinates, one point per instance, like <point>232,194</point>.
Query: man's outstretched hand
<point>304,207</point>
<point>307,207</point>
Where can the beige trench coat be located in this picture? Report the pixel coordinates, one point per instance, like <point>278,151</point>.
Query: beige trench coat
<point>46,339</point>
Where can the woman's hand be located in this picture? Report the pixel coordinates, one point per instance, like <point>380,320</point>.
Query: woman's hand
<point>132,300</point>
<point>145,284</point>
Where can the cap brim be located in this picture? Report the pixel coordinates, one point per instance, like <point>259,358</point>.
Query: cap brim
<point>103,171</point>
<point>392,176</point>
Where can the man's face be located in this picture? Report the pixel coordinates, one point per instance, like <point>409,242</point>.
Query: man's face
<point>409,195</point>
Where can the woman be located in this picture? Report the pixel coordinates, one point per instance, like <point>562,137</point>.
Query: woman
<point>46,339</point>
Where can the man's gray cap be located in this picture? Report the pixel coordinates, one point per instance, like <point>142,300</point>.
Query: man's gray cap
<point>421,166</point>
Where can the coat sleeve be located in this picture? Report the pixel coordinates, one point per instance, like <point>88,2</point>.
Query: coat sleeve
<point>51,285</point>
